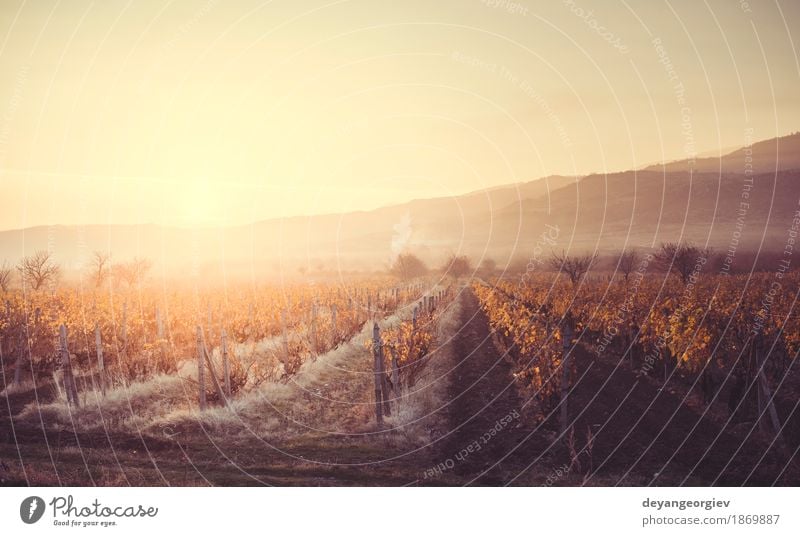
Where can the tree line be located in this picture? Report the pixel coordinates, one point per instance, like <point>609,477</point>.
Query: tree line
<point>39,271</point>
<point>678,258</point>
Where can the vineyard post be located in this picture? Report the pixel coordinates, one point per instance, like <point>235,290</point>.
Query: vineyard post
<point>414,318</point>
<point>213,373</point>
<point>160,335</point>
<point>765,400</point>
<point>285,337</point>
<point>159,325</point>
<point>8,323</point>
<point>755,351</point>
<point>201,369</point>
<point>376,351</point>
<point>395,373</point>
<point>8,312</point>
<point>250,321</point>
<point>384,385</point>
<point>225,367</point>
<point>313,328</point>
<point>629,343</point>
<point>125,325</point>
<point>34,336</point>
<point>22,349</point>
<point>98,342</point>
<point>66,364</point>
<point>566,343</point>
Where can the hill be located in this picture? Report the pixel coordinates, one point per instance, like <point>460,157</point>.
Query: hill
<point>638,208</point>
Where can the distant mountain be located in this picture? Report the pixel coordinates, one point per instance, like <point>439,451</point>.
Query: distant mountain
<point>636,208</point>
<point>361,240</point>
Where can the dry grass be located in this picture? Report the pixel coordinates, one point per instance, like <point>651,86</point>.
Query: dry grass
<point>123,408</point>
<point>22,387</point>
<point>417,416</point>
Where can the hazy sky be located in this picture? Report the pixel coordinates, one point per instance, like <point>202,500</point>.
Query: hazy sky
<point>234,111</point>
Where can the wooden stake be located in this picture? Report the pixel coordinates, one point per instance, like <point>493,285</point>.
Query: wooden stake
<point>395,373</point>
<point>213,372</point>
<point>333,324</point>
<point>285,337</point>
<point>201,369</point>
<point>765,400</point>
<point>313,328</point>
<point>225,367</point>
<point>566,344</point>
<point>159,325</point>
<point>125,325</point>
<point>66,364</point>
<point>22,352</point>
<point>250,321</point>
<point>378,369</point>
<point>161,335</point>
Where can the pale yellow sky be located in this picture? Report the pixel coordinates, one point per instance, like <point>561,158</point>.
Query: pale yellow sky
<point>217,112</point>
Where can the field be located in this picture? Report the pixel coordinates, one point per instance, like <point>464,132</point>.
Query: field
<point>509,379</point>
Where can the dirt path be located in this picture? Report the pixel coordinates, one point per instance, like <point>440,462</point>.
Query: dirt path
<point>484,408</point>
<point>646,433</point>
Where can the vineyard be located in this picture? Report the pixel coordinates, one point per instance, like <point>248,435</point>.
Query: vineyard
<point>728,343</point>
<point>344,382</point>
<point>136,335</point>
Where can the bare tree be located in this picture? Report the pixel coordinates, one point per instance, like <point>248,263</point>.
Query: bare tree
<point>39,269</point>
<point>408,266</point>
<point>457,266</point>
<point>626,262</point>
<point>100,267</point>
<point>5,276</point>
<point>133,272</point>
<point>681,259</point>
<point>575,266</point>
